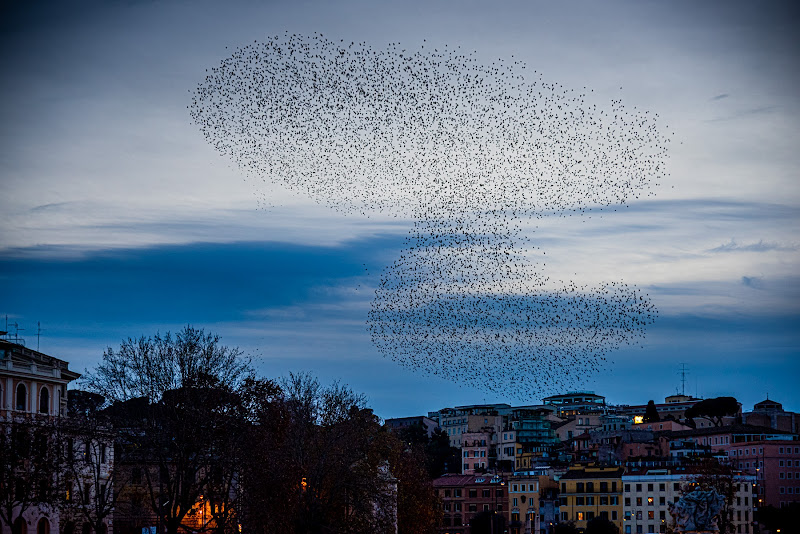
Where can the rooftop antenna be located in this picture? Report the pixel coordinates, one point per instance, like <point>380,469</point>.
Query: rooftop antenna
<point>38,334</point>
<point>18,340</point>
<point>683,379</point>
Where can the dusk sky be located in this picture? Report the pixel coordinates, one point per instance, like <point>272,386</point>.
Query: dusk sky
<point>118,219</point>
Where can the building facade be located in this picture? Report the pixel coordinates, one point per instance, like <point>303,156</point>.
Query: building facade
<point>589,492</point>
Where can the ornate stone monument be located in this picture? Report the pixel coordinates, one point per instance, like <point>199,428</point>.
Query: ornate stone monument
<point>697,512</point>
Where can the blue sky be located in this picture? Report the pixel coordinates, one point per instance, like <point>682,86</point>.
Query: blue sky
<point>119,220</point>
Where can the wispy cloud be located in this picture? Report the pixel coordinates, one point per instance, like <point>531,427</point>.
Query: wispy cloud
<point>761,110</point>
<point>720,96</point>
<point>756,282</point>
<point>761,246</point>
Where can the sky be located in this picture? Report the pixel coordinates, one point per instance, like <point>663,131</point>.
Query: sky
<point>118,219</point>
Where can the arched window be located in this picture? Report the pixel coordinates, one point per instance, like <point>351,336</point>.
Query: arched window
<point>22,397</point>
<point>43,527</point>
<point>44,400</point>
<point>20,526</point>
<point>69,528</point>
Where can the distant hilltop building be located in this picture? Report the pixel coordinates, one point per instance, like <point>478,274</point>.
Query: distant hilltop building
<point>576,402</point>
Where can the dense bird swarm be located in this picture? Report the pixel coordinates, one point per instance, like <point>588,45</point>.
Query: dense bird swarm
<point>473,153</point>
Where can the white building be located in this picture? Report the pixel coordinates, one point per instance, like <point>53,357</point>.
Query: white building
<point>646,492</point>
<point>33,395</point>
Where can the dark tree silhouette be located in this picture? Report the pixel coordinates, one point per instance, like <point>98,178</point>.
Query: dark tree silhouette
<point>29,463</point>
<point>599,525</point>
<point>651,413</point>
<point>714,409</point>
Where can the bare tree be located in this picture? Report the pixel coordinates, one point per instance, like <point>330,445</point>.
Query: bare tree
<point>179,433</point>
<point>147,367</point>
<point>29,463</point>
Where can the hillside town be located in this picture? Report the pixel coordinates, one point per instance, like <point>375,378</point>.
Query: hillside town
<point>78,461</point>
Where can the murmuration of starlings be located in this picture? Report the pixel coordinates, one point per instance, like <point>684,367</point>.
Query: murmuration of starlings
<point>473,153</point>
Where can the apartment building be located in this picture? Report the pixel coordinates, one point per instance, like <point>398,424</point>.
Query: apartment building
<point>591,491</point>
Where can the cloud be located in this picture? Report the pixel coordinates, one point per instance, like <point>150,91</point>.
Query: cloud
<point>761,246</point>
<point>760,110</point>
<point>720,96</point>
<point>756,282</point>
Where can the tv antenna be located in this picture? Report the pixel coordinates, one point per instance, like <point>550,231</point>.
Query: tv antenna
<point>38,334</point>
<point>683,379</point>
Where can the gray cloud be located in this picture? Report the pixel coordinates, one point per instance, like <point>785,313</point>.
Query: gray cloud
<point>756,282</point>
<point>720,96</point>
<point>761,246</point>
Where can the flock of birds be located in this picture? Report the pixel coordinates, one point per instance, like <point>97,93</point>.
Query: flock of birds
<point>473,152</point>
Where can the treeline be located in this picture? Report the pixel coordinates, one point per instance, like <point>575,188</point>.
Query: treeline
<point>201,444</point>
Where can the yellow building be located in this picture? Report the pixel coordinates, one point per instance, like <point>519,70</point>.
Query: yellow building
<point>524,491</point>
<point>592,491</point>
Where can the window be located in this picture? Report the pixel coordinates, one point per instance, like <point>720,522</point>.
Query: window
<point>589,487</point>
<point>638,501</point>
<point>613,515</point>
<point>22,398</point>
<point>604,487</point>
<point>485,493</point>
<point>627,501</point>
<point>579,516</point>
<point>514,487</point>
<point>473,507</point>
<point>604,501</point>
<point>676,486</point>
<point>457,493</point>
<point>515,502</point>
<point>662,514</point>
<point>614,500</point>
<point>649,487</point>
<point>638,487</point>
<point>44,406</point>
<point>662,487</point>
<point>473,494</point>
<point>589,501</point>
<point>579,487</point>
<point>650,501</point>
<point>578,501</point>
<point>627,488</point>
<point>651,514</point>
<point>662,501</point>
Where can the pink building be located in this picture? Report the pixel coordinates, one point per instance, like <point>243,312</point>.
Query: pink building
<point>475,450</point>
<point>776,465</point>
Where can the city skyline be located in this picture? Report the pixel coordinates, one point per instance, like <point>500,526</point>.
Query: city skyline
<point>120,221</point>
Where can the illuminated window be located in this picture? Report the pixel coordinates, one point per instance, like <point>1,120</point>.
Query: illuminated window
<point>579,516</point>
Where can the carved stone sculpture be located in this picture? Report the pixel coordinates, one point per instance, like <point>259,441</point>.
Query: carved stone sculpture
<point>698,511</point>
